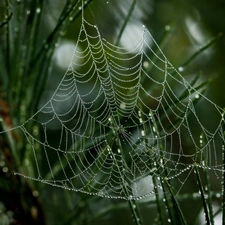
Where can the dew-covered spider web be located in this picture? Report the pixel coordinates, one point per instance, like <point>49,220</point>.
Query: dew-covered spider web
<point>126,118</point>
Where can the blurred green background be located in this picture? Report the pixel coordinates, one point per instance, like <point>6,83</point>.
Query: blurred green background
<point>36,49</point>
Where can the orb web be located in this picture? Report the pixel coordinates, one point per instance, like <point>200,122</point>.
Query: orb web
<point>125,116</point>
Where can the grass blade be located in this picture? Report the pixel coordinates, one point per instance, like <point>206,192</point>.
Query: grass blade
<point>176,204</point>
<point>125,22</point>
<point>203,48</point>
<point>204,201</point>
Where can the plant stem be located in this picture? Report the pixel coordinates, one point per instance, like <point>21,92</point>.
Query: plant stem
<point>207,216</point>
<point>176,204</point>
<point>125,22</point>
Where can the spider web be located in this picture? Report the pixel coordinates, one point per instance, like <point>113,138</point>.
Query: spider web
<point>125,117</point>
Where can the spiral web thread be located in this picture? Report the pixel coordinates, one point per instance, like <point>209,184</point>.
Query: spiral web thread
<point>125,117</point>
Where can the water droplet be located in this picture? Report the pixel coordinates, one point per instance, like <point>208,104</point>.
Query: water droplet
<point>218,195</point>
<point>122,105</point>
<point>143,133</point>
<point>80,8</point>
<point>35,193</point>
<point>145,64</point>
<point>169,220</point>
<point>180,69</point>
<point>71,18</point>
<point>5,169</point>
<point>38,10</point>
<point>107,2</point>
<point>167,27</point>
<point>118,150</point>
<point>195,195</point>
<point>28,12</point>
<point>197,96</point>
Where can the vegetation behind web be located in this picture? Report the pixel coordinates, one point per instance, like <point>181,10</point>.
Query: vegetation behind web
<point>31,32</point>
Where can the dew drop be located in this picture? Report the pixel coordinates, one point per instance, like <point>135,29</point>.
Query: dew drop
<point>180,69</point>
<point>167,27</point>
<point>62,33</point>
<point>218,195</point>
<point>5,169</point>
<point>123,105</point>
<point>145,64</point>
<point>80,8</point>
<point>35,193</point>
<point>169,220</point>
<point>71,18</point>
<point>195,195</point>
<point>197,96</point>
<point>28,12</point>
